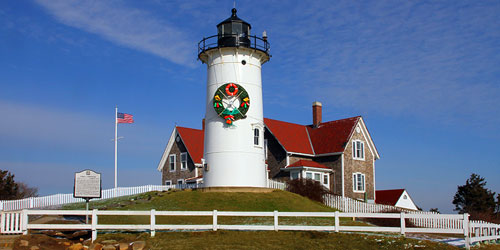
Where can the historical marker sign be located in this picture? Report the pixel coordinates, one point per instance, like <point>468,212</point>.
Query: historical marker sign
<point>87,185</point>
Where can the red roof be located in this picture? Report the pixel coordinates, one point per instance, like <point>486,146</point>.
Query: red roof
<point>307,163</point>
<point>388,197</point>
<point>293,137</point>
<point>328,137</point>
<point>332,137</point>
<point>193,140</point>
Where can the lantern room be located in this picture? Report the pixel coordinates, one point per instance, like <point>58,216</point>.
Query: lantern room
<point>233,32</point>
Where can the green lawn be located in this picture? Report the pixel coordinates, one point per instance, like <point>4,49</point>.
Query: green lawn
<point>188,200</point>
<point>273,240</point>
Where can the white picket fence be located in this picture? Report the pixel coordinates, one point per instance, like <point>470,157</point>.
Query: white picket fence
<point>61,199</point>
<point>18,222</point>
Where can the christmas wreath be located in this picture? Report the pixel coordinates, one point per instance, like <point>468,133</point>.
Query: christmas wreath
<point>231,102</point>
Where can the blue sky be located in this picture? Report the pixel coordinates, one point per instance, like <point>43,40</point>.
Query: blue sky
<point>423,74</point>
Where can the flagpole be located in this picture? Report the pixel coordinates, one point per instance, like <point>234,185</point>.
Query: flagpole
<point>116,145</point>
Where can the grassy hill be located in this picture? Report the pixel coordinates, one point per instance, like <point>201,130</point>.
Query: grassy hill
<point>205,201</point>
<point>188,200</point>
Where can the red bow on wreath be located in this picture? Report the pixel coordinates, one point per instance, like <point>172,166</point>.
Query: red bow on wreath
<point>229,119</point>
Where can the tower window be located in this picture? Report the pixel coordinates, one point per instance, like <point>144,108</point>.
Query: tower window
<point>256,137</point>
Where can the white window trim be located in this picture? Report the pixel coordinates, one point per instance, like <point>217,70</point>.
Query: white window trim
<point>170,162</point>
<point>184,168</point>
<point>298,176</point>
<point>261,135</point>
<point>265,148</point>
<point>354,149</point>
<point>327,185</point>
<point>355,182</point>
<point>168,181</point>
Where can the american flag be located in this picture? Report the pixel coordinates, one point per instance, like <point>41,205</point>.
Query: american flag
<point>124,118</point>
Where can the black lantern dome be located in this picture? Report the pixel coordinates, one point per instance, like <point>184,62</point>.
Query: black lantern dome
<point>233,32</point>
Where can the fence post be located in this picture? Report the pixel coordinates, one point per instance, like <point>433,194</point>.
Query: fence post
<point>153,222</point>
<point>403,223</point>
<point>2,222</point>
<point>337,221</point>
<point>215,220</point>
<point>275,220</point>
<point>94,224</point>
<point>24,221</point>
<point>465,226</point>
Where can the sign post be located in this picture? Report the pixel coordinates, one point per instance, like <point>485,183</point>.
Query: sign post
<point>87,186</point>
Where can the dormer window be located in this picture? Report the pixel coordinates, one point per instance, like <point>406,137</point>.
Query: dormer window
<point>358,150</point>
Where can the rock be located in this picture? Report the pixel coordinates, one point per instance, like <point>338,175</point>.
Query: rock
<point>66,243</point>
<point>123,246</point>
<point>79,233</point>
<point>109,242</point>
<point>87,242</point>
<point>77,246</point>
<point>95,246</point>
<point>109,247</point>
<point>138,245</point>
<point>34,248</point>
<point>23,243</point>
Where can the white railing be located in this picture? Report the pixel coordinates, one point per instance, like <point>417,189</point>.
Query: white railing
<point>276,184</point>
<point>61,199</point>
<point>18,222</point>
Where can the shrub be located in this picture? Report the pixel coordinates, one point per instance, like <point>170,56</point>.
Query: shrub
<point>308,188</point>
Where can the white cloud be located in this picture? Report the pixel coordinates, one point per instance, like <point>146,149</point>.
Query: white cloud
<point>125,26</point>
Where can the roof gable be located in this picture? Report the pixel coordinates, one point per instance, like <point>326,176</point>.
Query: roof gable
<point>193,140</point>
<point>388,197</point>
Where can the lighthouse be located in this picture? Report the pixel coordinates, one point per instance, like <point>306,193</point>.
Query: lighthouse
<point>234,127</point>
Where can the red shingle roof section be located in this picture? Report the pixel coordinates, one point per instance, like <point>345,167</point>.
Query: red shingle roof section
<point>293,137</point>
<point>306,163</point>
<point>193,140</point>
<point>388,197</point>
<point>332,137</point>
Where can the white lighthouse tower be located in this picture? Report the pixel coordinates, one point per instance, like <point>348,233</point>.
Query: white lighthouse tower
<point>234,127</point>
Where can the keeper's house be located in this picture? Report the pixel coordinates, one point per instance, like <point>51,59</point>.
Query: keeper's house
<point>340,154</point>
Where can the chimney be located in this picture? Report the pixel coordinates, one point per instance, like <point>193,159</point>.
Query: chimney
<point>316,114</point>
<point>203,124</point>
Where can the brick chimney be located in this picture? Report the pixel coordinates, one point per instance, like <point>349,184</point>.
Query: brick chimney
<point>203,124</point>
<point>316,114</point>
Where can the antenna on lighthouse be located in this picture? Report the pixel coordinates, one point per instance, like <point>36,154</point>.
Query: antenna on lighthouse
<point>234,4</point>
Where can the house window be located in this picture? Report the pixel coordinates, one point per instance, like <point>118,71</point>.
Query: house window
<point>294,175</point>
<point>325,179</point>
<point>358,180</point>
<point>309,175</point>
<point>168,183</point>
<point>317,176</point>
<point>256,137</point>
<point>180,181</point>
<point>172,162</point>
<point>184,162</point>
<point>358,150</point>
